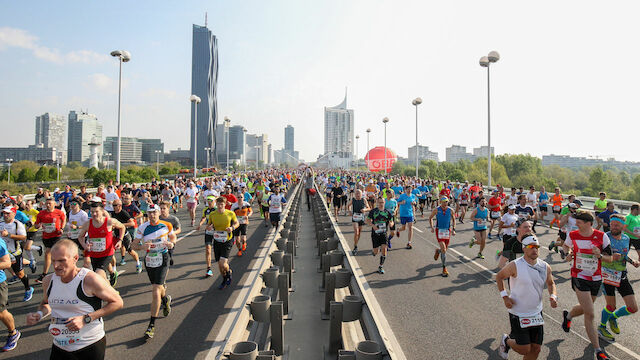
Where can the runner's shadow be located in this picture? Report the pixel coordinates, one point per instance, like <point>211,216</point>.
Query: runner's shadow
<point>466,281</point>
<point>553,349</point>
<point>486,347</point>
<point>131,344</point>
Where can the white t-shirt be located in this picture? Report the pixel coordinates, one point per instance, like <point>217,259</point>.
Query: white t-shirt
<point>275,203</point>
<point>210,192</point>
<point>110,197</point>
<point>78,219</point>
<point>192,194</point>
<point>532,199</point>
<point>509,219</point>
<point>14,228</point>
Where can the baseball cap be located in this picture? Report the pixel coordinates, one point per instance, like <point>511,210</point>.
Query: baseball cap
<point>153,207</point>
<point>511,207</point>
<point>573,205</point>
<point>577,202</point>
<point>56,189</point>
<point>9,209</point>
<point>531,239</point>
<point>444,199</point>
<point>211,198</point>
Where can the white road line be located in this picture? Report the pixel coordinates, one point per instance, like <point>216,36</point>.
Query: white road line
<point>418,230</point>
<point>185,235</point>
<point>615,344</point>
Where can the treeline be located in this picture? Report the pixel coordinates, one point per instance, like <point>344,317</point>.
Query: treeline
<point>526,170</point>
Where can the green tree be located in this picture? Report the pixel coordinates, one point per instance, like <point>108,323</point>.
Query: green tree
<point>90,173</point>
<point>520,164</point>
<point>53,173</point>
<point>42,174</point>
<point>599,180</point>
<point>103,176</point>
<point>25,175</point>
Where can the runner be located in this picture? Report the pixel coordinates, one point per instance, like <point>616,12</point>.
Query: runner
<point>599,206</point>
<point>614,277</point>
<point>129,223</point>
<point>243,210</point>
<point>191,196</point>
<point>445,228</point>
<point>495,212</point>
<point>32,213</point>
<point>52,221</point>
<point>380,219</point>
<point>5,316</point>
<point>337,193</point>
<point>587,248</point>
<point>527,277</point>
<point>165,206</point>
<point>406,203</point>
<point>275,202</point>
<point>77,218</point>
<point>556,200</point>
<point>222,222</point>
<point>391,204</point>
<point>479,217</point>
<point>543,201</point>
<point>604,216</point>
<point>12,233</point>
<point>156,237</point>
<point>77,323</point>
<point>357,208</point>
<point>208,234</point>
<point>632,227</point>
<point>463,203</point>
<point>371,191</point>
<point>532,201</point>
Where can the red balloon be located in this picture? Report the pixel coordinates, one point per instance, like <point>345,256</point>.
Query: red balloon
<point>375,159</point>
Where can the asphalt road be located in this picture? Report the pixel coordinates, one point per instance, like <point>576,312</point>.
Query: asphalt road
<point>198,307</point>
<point>463,316</point>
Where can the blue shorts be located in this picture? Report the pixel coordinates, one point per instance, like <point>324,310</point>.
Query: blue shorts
<point>406,219</point>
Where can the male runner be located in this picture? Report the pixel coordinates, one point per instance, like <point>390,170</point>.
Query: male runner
<point>243,210</point>
<point>406,202</point>
<point>444,229</point>
<point>208,234</point>
<point>495,211</point>
<point>632,227</point>
<point>191,195</point>
<point>13,233</point>
<point>479,217</point>
<point>130,224</point>
<point>222,222</point>
<point>275,202</point>
<point>357,209</point>
<point>379,219</point>
<point>52,221</point>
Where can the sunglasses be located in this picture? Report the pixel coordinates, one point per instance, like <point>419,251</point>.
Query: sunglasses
<point>532,246</point>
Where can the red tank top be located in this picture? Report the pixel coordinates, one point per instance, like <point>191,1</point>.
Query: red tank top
<point>101,240</point>
<point>585,265</point>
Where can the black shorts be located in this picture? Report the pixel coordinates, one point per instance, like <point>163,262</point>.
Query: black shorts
<point>344,200</point>
<point>4,296</point>
<point>422,201</point>
<point>126,242</point>
<point>624,289</point>
<point>95,351</point>
<point>562,235</point>
<point>274,217</point>
<point>158,275</point>
<point>635,243</point>
<point>378,240</point>
<point>544,208</point>
<point>208,239</point>
<point>241,230</point>
<point>265,209</point>
<point>464,204</point>
<point>101,263</point>
<point>337,201</point>
<point>525,336</point>
<point>586,285</point>
<point>222,250</point>
<point>18,265</point>
<point>48,243</point>
<point>31,235</point>
<point>556,211</point>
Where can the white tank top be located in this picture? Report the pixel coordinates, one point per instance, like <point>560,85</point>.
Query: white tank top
<point>69,300</point>
<point>527,287</point>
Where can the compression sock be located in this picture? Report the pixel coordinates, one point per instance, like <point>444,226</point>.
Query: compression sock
<point>443,258</point>
<point>152,322</point>
<point>382,259</point>
<point>25,281</point>
<point>607,312</point>
<point>32,258</point>
<point>623,311</point>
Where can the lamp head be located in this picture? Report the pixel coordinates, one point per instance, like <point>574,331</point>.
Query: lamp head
<point>417,101</point>
<point>368,130</point>
<point>493,56</point>
<point>385,120</point>
<point>194,98</point>
<point>484,61</point>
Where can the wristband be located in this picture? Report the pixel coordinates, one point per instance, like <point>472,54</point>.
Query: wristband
<point>40,313</point>
<point>554,297</point>
<point>504,293</point>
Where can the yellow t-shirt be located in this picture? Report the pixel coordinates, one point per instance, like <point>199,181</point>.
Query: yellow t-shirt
<point>32,217</point>
<point>221,221</point>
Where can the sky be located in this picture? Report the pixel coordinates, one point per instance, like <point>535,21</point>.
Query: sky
<point>567,81</point>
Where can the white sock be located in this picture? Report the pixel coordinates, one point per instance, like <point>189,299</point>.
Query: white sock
<point>114,268</point>
<point>31,257</point>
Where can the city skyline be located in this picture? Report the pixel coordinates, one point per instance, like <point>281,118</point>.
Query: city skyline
<point>283,70</point>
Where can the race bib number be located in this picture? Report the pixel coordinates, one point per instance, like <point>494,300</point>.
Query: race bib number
<point>50,227</point>
<point>275,206</point>
<point>544,202</point>
<point>358,217</point>
<point>495,214</point>
<point>73,233</point>
<point>586,262</point>
<point>153,259</point>
<point>636,231</point>
<point>611,276</point>
<point>530,321</point>
<point>220,236</point>
<point>556,207</point>
<point>98,244</point>
<point>444,233</point>
<point>382,228</point>
<point>242,220</point>
<point>63,336</point>
<point>522,215</point>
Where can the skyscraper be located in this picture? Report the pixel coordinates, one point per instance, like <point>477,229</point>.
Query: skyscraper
<point>338,131</point>
<point>204,81</point>
<point>288,139</point>
<point>84,128</point>
<point>51,131</point>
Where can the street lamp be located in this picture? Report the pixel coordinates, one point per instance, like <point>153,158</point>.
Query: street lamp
<point>123,56</point>
<point>9,161</point>
<point>195,100</point>
<point>244,149</point>
<point>485,61</point>
<point>158,152</point>
<point>58,161</point>
<point>357,137</point>
<point>227,126</point>
<point>417,101</point>
<point>208,150</point>
<point>385,121</point>
<point>367,153</point>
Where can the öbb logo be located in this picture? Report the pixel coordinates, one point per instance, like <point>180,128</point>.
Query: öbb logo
<point>375,159</point>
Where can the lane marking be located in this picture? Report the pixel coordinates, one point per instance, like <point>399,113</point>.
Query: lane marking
<point>185,235</point>
<point>418,230</point>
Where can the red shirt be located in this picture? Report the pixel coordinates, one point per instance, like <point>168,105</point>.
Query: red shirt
<point>230,200</point>
<point>445,192</point>
<point>100,237</point>
<point>474,190</point>
<point>51,223</point>
<point>494,203</point>
<point>590,268</point>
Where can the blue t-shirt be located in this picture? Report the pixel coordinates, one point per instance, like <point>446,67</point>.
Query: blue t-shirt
<point>606,216</point>
<point>416,192</point>
<point>22,217</point>
<point>456,192</point>
<point>247,197</point>
<point>3,252</point>
<point>406,209</point>
<point>397,190</point>
<point>423,192</point>
<point>391,205</point>
<point>481,214</point>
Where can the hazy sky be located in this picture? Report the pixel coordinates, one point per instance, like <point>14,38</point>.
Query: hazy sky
<point>567,82</point>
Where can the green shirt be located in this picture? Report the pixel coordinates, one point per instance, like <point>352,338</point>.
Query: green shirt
<point>565,210</point>
<point>601,205</point>
<point>633,225</point>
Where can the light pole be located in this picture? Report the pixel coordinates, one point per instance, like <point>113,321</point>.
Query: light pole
<point>417,101</point>
<point>385,121</point>
<point>227,126</point>
<point>208,150</point>
<point>357,137</point>
<point>58,161</point>
<point>367,153</point>
<point>485,61</point>
<point>195,100</point>
<point>158,161</point>
<point>244,149</point>
<point>123,56</point>
<point>9,161</point>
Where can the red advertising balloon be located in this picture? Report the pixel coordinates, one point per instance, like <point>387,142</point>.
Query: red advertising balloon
<point>375,159</point>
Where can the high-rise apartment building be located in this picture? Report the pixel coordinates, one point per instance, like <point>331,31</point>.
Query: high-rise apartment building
<point>456,153</point>
<point>84,129</point>
<point>51,132</point>
<point>130,149</point>
<point>288,139</point>
<point>152,150</point>
<point>204,80</point>
<point>338,131</point>
<point>423,154</point>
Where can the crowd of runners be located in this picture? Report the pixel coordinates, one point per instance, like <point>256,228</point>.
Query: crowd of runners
<point>595,242</point>
<point>106,228</point>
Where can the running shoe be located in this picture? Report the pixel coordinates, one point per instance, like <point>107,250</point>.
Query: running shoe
<point>138,268</point>
<point>605,334</point>
<point>445,273</point>
<point>229,277</point>
<point>244,247</point>
<point>122,262</point>
<point>472,242</point>
<point>166,305</point>
<point>503,349</point>
<point>239,253</point>
<point>601,355</point>
<point>113,278</point>
<point>498,253</point>
<point>409,247</point>
<point>397,234</point>
<point>39,279</point>
<point>552,245</point>
<point>12,341</point>
<point>380,270</point>
<point>389,241</point>
<point>489,236</point>
<point>13,280</point>
<point>563,255</point>
<point>33,266</point>
<point>209,273</point>
<point>436,255</point>
<point>354,252</point>
<point>480,256</point>
<point>28,294</point>
<point>566,323</point>
<point>151,330</point>
<point>40,251</point>
<point>613,324</point>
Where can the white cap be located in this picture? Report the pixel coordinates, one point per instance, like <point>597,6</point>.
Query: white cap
<point>8,209</point>
<point>530,240</point>
<point>153,207</point>
<point>96,199</point>
<point>57,189</point>
<point>511,207</point>
<point>572,205</point>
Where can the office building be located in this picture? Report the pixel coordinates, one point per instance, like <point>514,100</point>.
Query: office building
<point>338,132</point>
<point>152,150</point>
<point>257,148</point>
<point>130,149</point>
<point>423,154</point>
<point>204,81</point>
<point>455,153</point>
<point>184,157</point>
<point>482,151</point>
<point>575,162</point>
<point>51,132</point>
<point>84,129</point>
<point>35,153</point>
<point>288,139</point>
